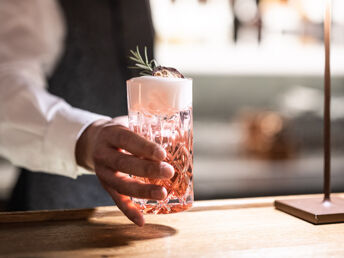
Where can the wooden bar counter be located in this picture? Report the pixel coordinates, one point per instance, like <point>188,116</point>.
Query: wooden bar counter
<point>221,228</point>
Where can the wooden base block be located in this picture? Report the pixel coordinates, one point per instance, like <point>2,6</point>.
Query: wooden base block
<point>314,210</point>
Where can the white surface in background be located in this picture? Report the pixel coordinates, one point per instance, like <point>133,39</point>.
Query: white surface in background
<point>266,59</point>
<point>197,38</point>
<point>192,21</point>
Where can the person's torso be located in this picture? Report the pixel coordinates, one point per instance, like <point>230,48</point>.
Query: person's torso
<point>90,75</point>
<point>92,72</point>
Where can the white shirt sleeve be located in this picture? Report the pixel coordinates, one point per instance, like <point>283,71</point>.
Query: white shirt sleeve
<point>38,131</point>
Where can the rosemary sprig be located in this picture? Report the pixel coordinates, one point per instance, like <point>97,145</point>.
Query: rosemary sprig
<point>145,66</point>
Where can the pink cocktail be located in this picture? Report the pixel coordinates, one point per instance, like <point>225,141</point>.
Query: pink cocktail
<point>160,109</point>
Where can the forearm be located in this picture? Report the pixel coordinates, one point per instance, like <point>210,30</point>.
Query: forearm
<point>38,130</point>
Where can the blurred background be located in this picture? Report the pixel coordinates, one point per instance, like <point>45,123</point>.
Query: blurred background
<point>257,67</point>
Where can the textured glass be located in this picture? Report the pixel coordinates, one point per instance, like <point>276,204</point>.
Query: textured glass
<point>175,134</point>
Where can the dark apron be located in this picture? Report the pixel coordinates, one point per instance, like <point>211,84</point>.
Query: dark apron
<point>91,75</point>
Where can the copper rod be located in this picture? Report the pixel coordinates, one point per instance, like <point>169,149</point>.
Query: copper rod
<point>327,104</point>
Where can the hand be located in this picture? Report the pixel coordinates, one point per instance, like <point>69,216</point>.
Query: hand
<point>100,148</point>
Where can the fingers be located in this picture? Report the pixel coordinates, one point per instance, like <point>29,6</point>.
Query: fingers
<point>121,137</point>
<point>129,186</point>
<point>132,165</point>
<point>126,206</point>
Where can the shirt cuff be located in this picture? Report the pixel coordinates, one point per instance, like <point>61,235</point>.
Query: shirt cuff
<point>61,137</point>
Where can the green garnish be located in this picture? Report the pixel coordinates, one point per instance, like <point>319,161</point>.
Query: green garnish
<point>145,66</point>
<point>151,67</point>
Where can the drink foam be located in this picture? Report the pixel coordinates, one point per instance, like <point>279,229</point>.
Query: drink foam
<point>155,94</point>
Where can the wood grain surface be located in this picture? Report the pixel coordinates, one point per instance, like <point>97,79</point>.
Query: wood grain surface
<point>222,228</point>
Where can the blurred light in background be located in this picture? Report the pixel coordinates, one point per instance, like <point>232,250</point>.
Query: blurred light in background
<point>191,21</point>
<point>246,10</point>
<point>279,17</point>
<point>312,10</point>
<point>246,36</point>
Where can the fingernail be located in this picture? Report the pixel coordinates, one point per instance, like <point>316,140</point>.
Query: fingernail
<point>166,170</point>
<point>159,194</point>
<point>159,153</point>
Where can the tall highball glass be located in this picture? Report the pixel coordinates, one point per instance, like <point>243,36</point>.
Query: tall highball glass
<point>160,110</point>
